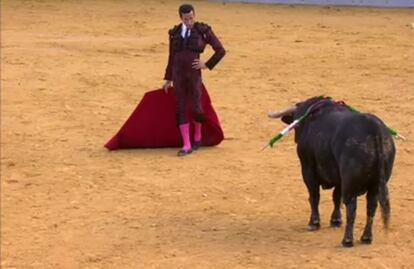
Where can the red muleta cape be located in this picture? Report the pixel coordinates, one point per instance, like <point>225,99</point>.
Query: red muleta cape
<point>153,124</point>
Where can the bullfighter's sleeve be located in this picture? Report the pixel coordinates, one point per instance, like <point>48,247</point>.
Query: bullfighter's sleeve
<point>169,69</point>
<point>218,48</point>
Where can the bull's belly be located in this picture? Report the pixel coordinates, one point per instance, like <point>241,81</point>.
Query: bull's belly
<point>326,183</point>
<point>328,176</point>
<point>358,178</point>
<point>326,186</point>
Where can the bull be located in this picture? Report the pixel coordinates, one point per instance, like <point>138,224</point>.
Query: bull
<point>353,153</point>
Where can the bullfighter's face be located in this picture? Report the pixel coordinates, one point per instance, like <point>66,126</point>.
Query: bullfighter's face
<point>188,19</point>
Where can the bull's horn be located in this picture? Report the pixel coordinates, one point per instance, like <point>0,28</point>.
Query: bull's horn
<point>278,114</point>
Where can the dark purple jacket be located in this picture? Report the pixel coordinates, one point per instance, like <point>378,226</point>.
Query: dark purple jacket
<point>201,35</point>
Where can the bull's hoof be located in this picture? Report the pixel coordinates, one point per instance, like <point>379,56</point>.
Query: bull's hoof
<point>314,227</point>
<point>366,239</point>
<point>348,243</point>
<point>336,223</point>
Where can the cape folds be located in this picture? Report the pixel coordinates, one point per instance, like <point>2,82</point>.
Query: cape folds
<point>153,124</point>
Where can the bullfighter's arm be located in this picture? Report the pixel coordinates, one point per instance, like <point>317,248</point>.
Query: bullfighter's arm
<point>218,48</point>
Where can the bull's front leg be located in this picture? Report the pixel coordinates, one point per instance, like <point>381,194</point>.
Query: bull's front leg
<point>336,218</point>
<point>314,197</point>
<point>351,206</point>
<point>308,173</point>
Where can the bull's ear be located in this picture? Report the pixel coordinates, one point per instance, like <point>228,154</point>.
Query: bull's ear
<point>288,119</point>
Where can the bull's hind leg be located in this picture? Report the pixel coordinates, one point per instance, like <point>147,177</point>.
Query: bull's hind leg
<point>372,202</point>
<point>351,206</point>
<point>336,218</point>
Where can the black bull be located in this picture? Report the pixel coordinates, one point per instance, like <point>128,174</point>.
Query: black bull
<point>348,151</point>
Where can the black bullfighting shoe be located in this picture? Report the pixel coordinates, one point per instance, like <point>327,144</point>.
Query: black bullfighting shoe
<point>196,145</point>
<point>184,152</point>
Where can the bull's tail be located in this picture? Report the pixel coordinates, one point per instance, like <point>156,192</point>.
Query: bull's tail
<point>383,195</point>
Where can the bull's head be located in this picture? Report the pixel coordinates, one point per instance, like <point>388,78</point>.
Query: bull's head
<point>286,115</point>
<point>292,113</point>
<point>289,114</point>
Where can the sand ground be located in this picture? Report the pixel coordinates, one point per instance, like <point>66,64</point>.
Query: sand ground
<point>73,71</point>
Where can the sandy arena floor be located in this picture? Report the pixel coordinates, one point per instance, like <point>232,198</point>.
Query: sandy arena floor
<point>73,71</point>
